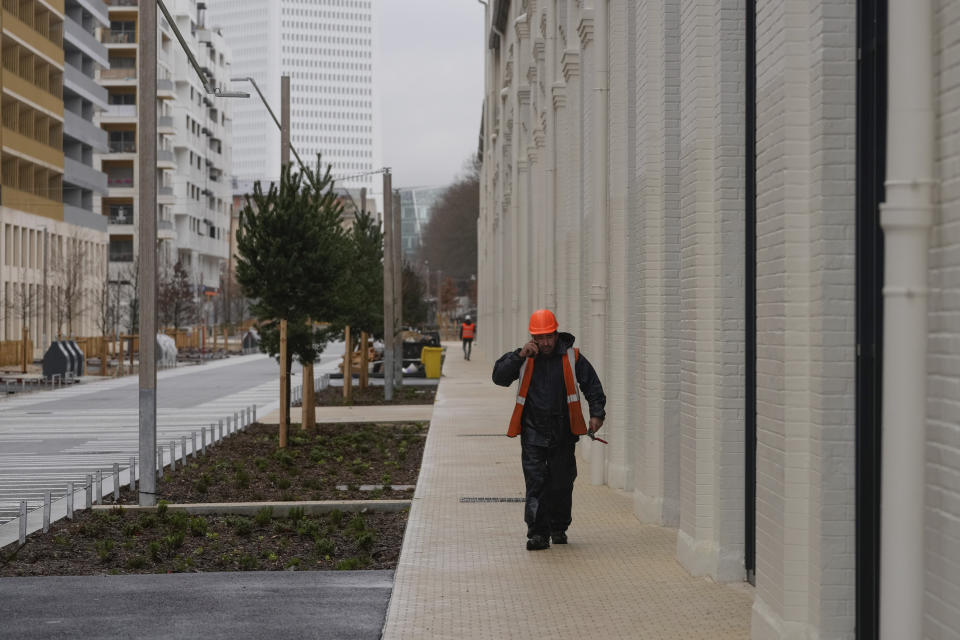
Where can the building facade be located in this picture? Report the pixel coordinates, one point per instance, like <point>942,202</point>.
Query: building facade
<point>194,193</point>
<point>695,187</point>
<point>53,247</point>
<point>329,49</point>
<point>415,205</point>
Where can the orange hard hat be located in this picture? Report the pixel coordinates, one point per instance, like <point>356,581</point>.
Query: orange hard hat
<point>542,322</point>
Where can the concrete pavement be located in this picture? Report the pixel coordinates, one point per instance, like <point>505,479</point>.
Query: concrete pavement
<point>464,571</point>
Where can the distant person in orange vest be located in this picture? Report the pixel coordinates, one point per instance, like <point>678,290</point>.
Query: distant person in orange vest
<point>468,331</point>
<point>548,419</point>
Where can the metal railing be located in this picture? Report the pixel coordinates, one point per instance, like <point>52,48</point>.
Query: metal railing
<point>94,487</point>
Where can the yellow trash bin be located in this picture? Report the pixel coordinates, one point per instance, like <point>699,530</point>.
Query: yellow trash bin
<point>431,357</point>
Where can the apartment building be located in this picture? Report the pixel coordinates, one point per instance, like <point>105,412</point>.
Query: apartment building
<point>52,248</point>
<point>749,220</point>
<point>193,148</point>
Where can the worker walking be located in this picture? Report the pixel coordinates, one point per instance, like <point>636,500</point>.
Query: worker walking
<point>548,418</point>
<point>468,331</point>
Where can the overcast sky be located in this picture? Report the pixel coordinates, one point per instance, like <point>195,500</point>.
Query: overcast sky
<point>432,87</point>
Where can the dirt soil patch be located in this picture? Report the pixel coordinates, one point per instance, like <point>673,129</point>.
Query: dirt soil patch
<point>125,542</point>
<point>333,396</point>
<point>250,467</point>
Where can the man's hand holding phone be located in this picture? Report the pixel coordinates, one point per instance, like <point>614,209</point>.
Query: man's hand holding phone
<point>529,350</point>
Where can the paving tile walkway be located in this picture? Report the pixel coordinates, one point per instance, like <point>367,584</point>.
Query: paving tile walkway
<point>464,571</point>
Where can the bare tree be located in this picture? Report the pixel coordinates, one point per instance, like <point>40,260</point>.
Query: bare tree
<point>450,237</point>
<point>70,265</point>
<point>177,305</point>
<point>24,302</point>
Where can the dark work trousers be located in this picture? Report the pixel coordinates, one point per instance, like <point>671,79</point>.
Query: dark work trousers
<point>549,469</point>
<point>467,346</point>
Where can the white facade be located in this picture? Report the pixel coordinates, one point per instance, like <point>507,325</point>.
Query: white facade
<point>329,50</point>
<point>194,148</point>
<point>613,191</point>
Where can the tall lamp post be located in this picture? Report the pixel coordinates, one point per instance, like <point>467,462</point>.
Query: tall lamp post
<point>147,182</point>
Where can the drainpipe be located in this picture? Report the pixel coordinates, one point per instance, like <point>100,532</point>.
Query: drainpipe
<point>906,217</point>
<point>550,273</point>
<point>598,245</point>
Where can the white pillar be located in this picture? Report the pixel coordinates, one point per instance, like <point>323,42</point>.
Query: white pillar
<point>906,217</point>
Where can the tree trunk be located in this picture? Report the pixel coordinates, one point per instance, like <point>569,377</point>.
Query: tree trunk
<point>309,416</point>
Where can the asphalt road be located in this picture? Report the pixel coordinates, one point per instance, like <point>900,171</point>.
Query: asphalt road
<point>348,605</point>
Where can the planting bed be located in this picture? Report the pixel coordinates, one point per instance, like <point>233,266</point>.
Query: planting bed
<point>122,542</point>
<point>248,467</point>
<point>333,396</point>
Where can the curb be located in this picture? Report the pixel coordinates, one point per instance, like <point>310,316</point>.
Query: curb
<point>280,508</point>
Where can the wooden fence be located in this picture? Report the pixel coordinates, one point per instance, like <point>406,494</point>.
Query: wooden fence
<point>11,352</point>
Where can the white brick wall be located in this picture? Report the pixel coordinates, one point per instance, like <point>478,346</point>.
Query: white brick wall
<point>674,352</point>
<point>942,596</point>
<point>710,540</point>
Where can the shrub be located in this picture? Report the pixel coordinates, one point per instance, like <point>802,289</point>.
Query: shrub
<point>178,521</point>
<point>242,479</point>
<point>264,516</point>
<point>174,540</point>
<point>365,540</point>
<point>349,564</point>
<point>324,546</point>
<point>261,464</point>
<point>241,525</point>
<point>295,514</point>
<point>136,562</point>
<point>104,549</point>
<point>198,526</point>
<point>248,563</point>
<point>283,483</point>
<point>162,508</point>
<point>357,523</point>
<point>154,549</point>
<point>131,529</point>
<point>292,563</point>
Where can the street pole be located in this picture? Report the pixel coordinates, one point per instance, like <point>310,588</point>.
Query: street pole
<point>147,182</point>
<point>284,162</point>
<point>389,328</point>
<point>397,289</point>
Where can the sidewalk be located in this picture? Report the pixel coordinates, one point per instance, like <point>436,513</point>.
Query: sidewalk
<point>464,571</point>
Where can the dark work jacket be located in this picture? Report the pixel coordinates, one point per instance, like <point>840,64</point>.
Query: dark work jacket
<point>546,406</point>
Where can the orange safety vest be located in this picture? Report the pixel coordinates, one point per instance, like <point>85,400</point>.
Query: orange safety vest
<point>468,330</point>
<point>577,425</point>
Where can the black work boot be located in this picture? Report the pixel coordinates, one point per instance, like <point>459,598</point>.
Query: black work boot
<point>538,542</point>
<point>559,537</point>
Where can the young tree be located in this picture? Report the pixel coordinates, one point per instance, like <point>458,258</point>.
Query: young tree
<point>448,295</point>
<point>291,254</point>
<point>414,297</point>
<point>362,285</point>
<point>177,304</point>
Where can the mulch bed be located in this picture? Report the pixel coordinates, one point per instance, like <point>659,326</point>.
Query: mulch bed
<point>333,396</point>
<point>124,542</point>
<point>247,467</point>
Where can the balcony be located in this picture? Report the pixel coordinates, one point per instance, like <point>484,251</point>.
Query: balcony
<point>121,256</point>
<point>78,82</point>
<point>166,159</point>
<point>123,3</point>
<point>166,89</point>
<point>77,36</point>
<point>121,75</point>
<point>120,112</point>
<point>165,125</point>
<point>83,218</point>
<point>120,178</point>
<point>121,218</point>
<point>84,176</point>
<point>85,131</point>
<point>123,146</point>
<point>120,38</point>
